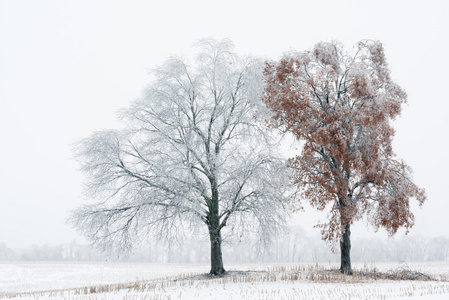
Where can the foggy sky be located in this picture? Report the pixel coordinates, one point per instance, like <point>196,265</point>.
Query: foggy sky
<point>67,67</point>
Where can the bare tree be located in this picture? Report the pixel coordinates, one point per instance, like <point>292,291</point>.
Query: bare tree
<point>190,153</point>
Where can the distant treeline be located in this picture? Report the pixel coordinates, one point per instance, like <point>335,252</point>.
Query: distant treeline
<point>292,247</point>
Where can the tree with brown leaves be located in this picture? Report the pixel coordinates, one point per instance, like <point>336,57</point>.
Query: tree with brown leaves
<point>340,106</point>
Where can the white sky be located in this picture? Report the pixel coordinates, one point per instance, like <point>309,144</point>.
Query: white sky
<point>67,66</point>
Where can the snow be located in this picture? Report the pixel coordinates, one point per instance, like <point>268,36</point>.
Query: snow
<point>176,281</point>
<point>19,277</point>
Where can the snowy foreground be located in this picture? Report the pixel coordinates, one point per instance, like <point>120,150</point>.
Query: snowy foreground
<point>174,281</point>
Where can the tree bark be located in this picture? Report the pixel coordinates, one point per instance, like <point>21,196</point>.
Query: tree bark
<point>216,258</point>
<point>345,249</point>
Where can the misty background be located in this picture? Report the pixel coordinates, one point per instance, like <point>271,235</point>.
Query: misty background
<point>293,247</point>
<point>67,67</point>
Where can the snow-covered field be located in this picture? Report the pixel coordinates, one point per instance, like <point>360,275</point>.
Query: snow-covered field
<point>181,281</point>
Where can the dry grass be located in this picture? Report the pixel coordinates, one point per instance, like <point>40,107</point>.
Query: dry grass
<point>136,286</point>
<point>275,274</point>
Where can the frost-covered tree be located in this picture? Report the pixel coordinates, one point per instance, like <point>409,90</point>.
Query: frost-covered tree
<point>190,153</point>
<point>340,105</point>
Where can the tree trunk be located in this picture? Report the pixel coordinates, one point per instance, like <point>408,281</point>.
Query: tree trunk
<point>216,258</point>
<point>345,249</point>
<point>213,223</point>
